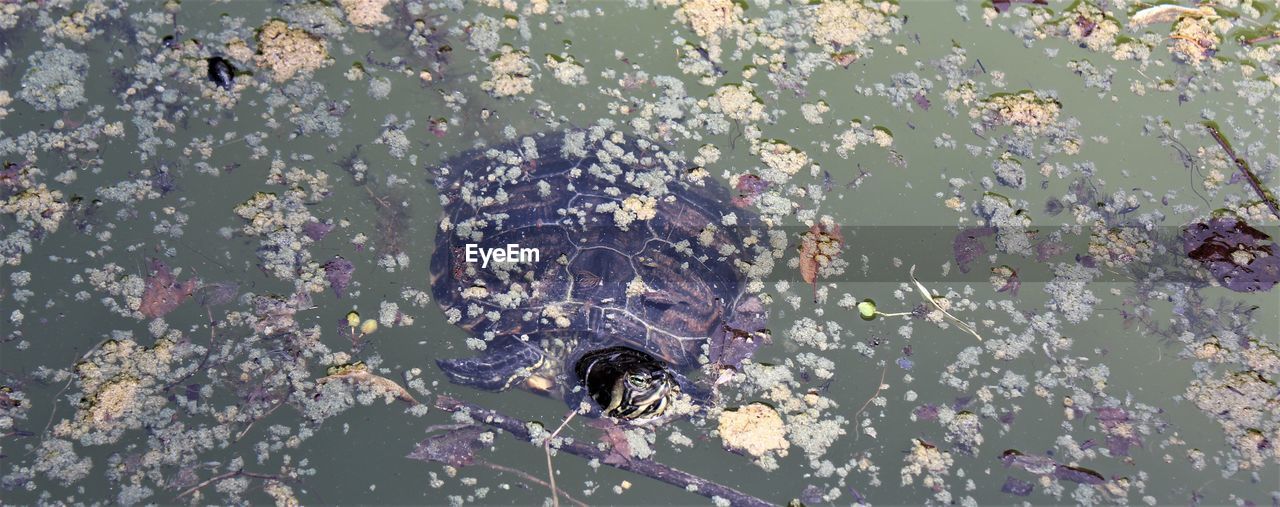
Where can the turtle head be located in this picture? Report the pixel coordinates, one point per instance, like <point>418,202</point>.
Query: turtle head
<point>627,383</point>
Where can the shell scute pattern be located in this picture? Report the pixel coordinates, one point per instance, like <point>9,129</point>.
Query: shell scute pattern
<point>657,286</point>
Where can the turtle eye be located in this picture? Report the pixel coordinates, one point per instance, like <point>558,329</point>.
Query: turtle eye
<point>638,381</point>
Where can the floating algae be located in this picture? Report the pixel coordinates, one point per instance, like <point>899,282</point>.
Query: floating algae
<point>831,239</point>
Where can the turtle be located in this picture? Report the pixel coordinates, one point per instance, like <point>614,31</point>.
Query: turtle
<point>632,279</point>
<point>221,73</point>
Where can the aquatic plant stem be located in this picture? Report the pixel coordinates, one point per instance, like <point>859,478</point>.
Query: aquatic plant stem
<point>879,387</point>
<point>645,467</point>
<point>546,448</point>
<point>228,475</point>
<point>928,298</point>
<point>1261,38</point>
<point>255,420</point>
<point>1243,166</point>
<point>529,477</point>
<point>895,314</point>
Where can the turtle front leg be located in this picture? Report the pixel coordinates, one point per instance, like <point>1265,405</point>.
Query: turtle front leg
<point>506,362</point>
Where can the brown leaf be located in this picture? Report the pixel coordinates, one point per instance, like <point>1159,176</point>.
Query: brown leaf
<point>1167,13</point>
<point>163,292</point>
<point>362,376</point>
<point>616,437</point>
<point>844,59</point>
<point>818,247</point>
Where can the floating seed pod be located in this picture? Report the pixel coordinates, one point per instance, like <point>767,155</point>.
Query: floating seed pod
<point>867,309</point>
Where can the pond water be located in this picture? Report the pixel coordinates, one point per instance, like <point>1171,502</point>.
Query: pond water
<point>219,219</point>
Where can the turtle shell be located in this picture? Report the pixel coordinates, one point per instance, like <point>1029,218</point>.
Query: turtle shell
<point>627,254</point>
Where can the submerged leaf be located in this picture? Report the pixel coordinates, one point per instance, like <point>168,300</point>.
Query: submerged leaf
<point>1015,486</point>
<point>1044,465</point>
<point>163,292</point>
<point>217,293</point>
<point>1078,474</point>
<point>967,246</point>
<point>749,187</point>
<point>1239,256</point>
<point>316,230</point>
<point>1039,465</point>
<point>1003,5</point>
<point>456,447</point>
<point>338,273</point>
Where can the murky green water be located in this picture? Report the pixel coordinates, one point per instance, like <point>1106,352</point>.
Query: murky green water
<point>1142,380</point>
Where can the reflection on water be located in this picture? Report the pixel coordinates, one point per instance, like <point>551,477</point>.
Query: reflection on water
<point>826,252</point>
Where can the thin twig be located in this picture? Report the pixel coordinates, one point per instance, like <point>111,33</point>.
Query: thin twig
<point>879,387</point>
<point>1243,166</point>
<point>645,467</point>
<point>528,477</point>
<point>224,476</point>
<point>259,418</point>
<point>376,198</point>
<point>1261,38</point>
<point>546,448</point>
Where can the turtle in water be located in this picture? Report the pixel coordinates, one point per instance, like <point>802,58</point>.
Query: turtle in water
<point>588,268</point>
<point>221,72</point>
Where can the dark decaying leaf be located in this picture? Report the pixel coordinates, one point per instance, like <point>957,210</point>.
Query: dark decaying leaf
<point>749,186</point>
<point>922,101</point>
<point>217,293</point>
<point>316,230</point>
<point>1015,486</point>
<point>1053,207</point>
<point>1044,465</point>
<point>456,447</point>
<point>735,341</point>
<point>438,126</point>
<point>1003,5</point>
<point>163,292</point>
<point>1011,281</point>
<point>1032,463</point>
<point>275,314</point>
<point>812,495</point>
<point>1120,435</point>
<point>967,246</point>
<point>338,273</point>
<point>1240,257</point>
<point>926,412</point>
<point>1078,474</point>
<point>1046,250</point>
<point>1012,285</point>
